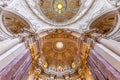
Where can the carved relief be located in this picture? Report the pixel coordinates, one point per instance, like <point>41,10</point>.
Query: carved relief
<point>4,3</point>
<point>114,2</point>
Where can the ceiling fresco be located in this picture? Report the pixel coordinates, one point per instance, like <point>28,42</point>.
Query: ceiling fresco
<point>105,23</point>
<point>60,57</point>
<point>14,23</point>
<point>60,49</point>
<point>59,10</point>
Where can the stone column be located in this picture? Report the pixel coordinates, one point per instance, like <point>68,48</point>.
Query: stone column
<point>4,41</point>
<point>111,44</point>
<point>6,45</point>
<point>7,57</point>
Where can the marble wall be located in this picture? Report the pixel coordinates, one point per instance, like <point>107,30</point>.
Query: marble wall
<point>18,68</point>
<point>100,68</point>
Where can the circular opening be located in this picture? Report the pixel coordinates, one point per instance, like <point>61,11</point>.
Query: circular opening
<point>59,45</point>
<point>59,6</point>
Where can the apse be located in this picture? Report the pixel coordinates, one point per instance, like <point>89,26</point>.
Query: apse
<point>60,56</point>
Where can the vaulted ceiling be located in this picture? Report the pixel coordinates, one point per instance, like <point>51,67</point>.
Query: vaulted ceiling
<point>105,23</point>
<point>60,48</point>
<point>60,55</point>
<point>74,14</point>
<point>59,10</point>
<point>14,23</point>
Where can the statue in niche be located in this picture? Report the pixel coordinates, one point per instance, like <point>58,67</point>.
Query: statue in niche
<point>59,69</point>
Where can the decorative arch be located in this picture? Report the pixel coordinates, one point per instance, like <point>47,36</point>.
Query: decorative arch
<point>13,22</point>
<point>106,23</point>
